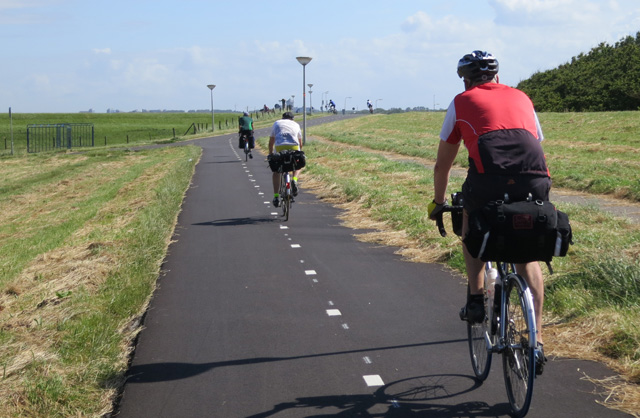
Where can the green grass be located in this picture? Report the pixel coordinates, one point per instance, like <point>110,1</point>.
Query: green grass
<point>123,128</point>
<point>592,152</point>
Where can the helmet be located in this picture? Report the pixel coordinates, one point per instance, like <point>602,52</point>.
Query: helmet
<point>245,113</point>
<point>478,66</point>
<point>287,115</point>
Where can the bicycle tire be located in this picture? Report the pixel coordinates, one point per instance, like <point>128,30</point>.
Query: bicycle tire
<point>246,149</point>
<point>286,206</point>
<point>480,355</point>
<point>518,360</point>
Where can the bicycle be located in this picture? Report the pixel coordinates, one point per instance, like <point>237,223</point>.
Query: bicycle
<point>509,326</point>
<point>286,197</point>
<point>247,149</point>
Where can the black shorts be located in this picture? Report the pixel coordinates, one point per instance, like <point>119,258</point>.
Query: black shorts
<point>478,189</point>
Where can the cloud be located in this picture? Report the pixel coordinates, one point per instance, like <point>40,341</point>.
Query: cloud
<point>105,51</point>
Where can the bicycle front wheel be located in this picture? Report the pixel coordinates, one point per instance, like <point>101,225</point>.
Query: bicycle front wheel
<point>518,360</point>
<point>480,354</point>
<point>286,206</point>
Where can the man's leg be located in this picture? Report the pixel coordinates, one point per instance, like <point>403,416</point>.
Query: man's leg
<point>532,273</point>
<point>473,310</point>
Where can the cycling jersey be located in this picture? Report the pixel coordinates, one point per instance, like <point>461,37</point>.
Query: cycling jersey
<point>500,130</point>
<point>286,132</point>
<point>246,123</point>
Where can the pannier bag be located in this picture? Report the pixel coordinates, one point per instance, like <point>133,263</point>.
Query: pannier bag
<point>518,232</point>
<point>286,161</point>
<point>252,142</point>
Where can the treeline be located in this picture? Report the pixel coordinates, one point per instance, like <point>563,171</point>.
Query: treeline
<point>605,79</point>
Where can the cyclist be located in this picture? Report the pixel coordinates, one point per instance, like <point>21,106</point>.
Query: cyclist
<point>332,105</point>
<point>245,124</point>
<point>502,134</point>
<point>370,106</point>
<point>285,135</point>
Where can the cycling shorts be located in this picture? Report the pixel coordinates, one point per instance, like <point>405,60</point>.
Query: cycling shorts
<point>287,147</point>
<point>478,189</point>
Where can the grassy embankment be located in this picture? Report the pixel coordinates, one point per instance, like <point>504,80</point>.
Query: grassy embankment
<point>79,262</point>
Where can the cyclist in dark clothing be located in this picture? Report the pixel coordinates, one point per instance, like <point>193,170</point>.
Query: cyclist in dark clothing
<point>245,124</point>
<point>502,134</point>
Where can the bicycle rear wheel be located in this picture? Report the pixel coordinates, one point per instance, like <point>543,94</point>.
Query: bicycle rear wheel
<point>286,206</point>
<point>246,149</point>
<point>518,360</point>
<point>480,355</point>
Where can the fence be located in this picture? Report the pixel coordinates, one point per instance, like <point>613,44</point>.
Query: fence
<point>60,135</point>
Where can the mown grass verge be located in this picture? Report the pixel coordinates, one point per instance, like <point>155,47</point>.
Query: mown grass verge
<point>82,241</point>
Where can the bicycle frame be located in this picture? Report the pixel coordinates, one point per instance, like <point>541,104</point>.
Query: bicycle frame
<point>502,283</point>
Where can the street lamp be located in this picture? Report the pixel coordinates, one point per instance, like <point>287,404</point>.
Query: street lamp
<point>345,105</point>
<point>377,103</point>
<point>310,105</point>
<point>213,122</point>
<point>304,61</point>
<point>326,97</point>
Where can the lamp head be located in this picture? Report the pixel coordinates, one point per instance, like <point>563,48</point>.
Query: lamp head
<point>304,60</point>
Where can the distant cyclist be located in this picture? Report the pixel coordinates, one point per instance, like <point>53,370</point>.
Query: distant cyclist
<point>332,106</point>
<point>502,134</point>
<point>370,106</point>
<point>285,135</point>
<point>245,124</point>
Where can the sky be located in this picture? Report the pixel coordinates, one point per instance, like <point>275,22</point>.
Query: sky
<point>66,56</point>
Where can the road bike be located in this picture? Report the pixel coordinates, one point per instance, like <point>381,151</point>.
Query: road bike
<point>509,326</point>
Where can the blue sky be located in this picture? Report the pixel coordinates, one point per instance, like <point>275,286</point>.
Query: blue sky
<point>75,55</point>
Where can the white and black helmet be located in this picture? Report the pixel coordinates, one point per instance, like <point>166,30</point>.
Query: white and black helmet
<point>478,66</point>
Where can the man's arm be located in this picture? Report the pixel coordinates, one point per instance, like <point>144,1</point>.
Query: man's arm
<point>446,155</point>
<point>272,141</point>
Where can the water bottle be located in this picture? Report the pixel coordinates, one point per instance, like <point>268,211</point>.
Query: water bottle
<point>489,285</point>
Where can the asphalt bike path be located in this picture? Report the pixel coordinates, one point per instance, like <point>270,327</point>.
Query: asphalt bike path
<point>257,317</point>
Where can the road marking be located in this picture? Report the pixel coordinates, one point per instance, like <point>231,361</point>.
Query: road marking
<point>373,380</point>
<point>274,213</point>
<point>334,312</point>
<point>367,360</point>
<point>310,272</point>
<point>315,280</point>
<point>284,227</point>
<point>330,303</point>
<point>345,326</point>
<point>295,245</point>
<point>395,403</point>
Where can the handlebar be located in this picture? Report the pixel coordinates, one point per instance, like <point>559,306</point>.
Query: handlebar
<point>454,209</point>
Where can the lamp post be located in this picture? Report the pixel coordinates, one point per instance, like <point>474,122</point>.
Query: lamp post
<point>344,110</point>
<point>310,105</point>
<point>213,122</point>
<point>326,97</point>
<point>304,61</point>
<point>377,103</point>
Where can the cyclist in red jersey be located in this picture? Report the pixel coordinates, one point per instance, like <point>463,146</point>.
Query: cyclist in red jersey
<point>502,134</point>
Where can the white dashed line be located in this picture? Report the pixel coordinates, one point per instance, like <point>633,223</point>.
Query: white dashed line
<point>274,213</point>
<point>334,312</point>
<point>315,280</point>
<point>345,326</point>
<point>310,272</point>
<point>366,360</point>
<point>295,245</point>
<point>373,380</point>
<point>330,303</point>
<point>284,227</point>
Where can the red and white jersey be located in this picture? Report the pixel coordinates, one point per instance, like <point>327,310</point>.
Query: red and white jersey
<point>500,129</point>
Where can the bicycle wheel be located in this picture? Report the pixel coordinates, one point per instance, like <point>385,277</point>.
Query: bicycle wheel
<point>480,355</point>
<point>286,206</point>
<point>246,149</point>
<point>518,361</point>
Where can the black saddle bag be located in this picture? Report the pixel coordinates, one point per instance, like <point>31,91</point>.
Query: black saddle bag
<point>286,161</point>
<point>518,232</point>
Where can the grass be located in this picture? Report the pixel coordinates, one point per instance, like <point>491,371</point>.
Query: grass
<point>592,152</point>
<point>83,236</point>
<point>79,265</point>
<point>117,129</point>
